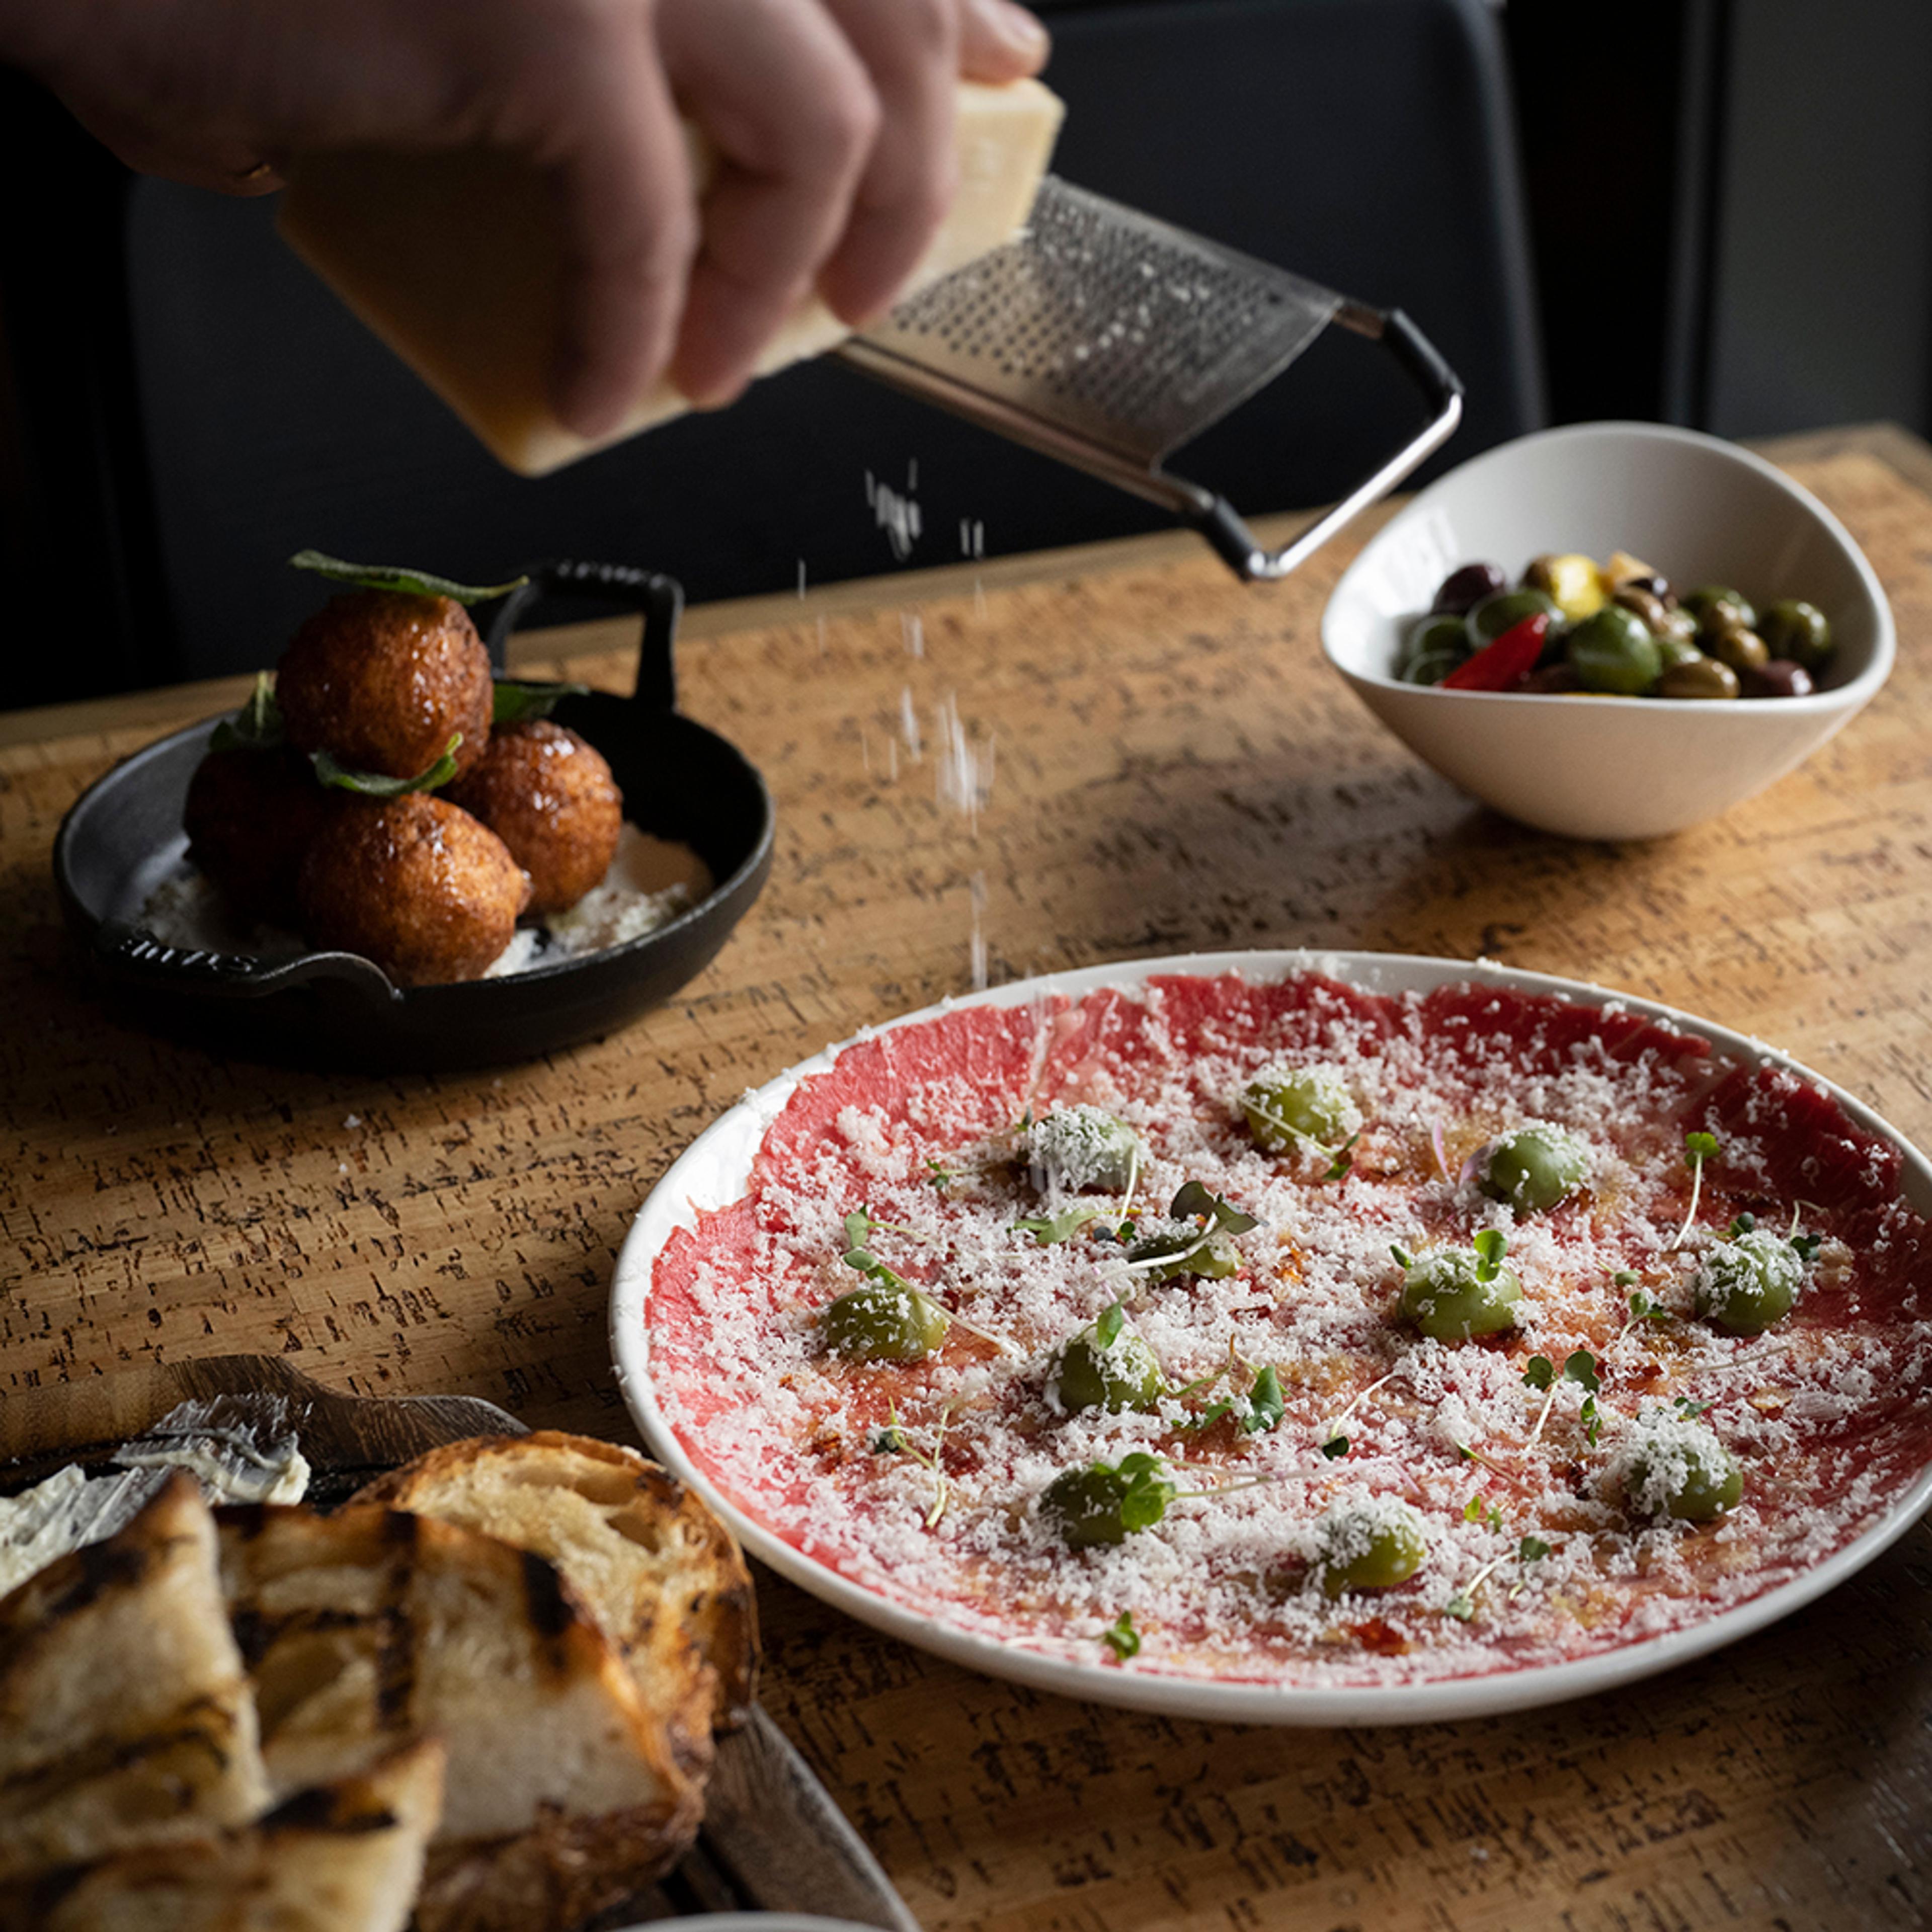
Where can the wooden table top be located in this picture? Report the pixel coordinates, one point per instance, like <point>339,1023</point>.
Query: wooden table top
<point>1172,768</point>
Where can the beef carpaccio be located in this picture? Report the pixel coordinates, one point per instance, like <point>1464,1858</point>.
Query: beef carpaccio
<point>1075,1401</point>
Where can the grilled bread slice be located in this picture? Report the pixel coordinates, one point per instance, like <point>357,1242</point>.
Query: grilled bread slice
<point>345,1857</point>
<point>371,1626</point>
<point>125,1717</point>
<point>659,1572</point>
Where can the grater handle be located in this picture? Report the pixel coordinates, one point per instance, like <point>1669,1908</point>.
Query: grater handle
<point>1218,520</point>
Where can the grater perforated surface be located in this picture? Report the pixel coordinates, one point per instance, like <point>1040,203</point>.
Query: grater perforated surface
<point>1111,325</point>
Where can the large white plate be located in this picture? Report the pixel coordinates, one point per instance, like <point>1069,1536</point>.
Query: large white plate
<point>716,1169</point>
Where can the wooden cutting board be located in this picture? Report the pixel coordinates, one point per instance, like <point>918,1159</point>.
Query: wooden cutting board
<point>772,1840</point>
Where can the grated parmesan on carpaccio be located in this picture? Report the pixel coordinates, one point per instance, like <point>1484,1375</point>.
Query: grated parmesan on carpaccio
<point>1829,1412</point>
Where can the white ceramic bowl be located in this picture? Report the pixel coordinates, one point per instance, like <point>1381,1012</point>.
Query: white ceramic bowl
<point>1698,509</point>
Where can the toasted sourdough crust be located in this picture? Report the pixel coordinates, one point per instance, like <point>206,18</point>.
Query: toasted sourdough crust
<point>125,1716</point>
<point>453,260</point>
<point>660,1572</point>
<point>345,1857</point>
<point>370,1626</point>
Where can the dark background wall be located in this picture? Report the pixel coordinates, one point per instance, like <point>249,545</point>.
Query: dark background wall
<point>1727,203</point>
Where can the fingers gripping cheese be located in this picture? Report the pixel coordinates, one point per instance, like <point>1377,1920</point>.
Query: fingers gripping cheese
<point>453,260</point>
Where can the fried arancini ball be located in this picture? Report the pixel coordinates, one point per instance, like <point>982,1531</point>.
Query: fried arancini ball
<point>550,798</point>
<point>249,816</point>
<point>413,884</point>
<point>383,678</point>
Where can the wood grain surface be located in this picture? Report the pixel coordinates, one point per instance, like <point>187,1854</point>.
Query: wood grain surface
<point>1171,767</point>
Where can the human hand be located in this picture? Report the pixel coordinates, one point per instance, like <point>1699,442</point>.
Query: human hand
<point>831,121</point>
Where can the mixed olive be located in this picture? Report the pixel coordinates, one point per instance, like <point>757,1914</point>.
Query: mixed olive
<point>1616,629</point>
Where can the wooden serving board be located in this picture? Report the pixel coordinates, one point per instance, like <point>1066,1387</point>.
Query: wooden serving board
<point>772,1840</point>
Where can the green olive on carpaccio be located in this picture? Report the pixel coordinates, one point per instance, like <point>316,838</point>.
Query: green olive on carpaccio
<point>1179,1249</point>
<point>1674,1465</point>
<point>879,1322</point>
<point>1370,1546</point>
<point>1797,631</point>
<point>1716,605</point>
<point>1081,1147</point>
<point>1449,1295</point>
<point>1613,651</point>
<point>1746,1284</point>
<point>1532,1169</point>
<point>1118,1375</point>
<point>1495,615</point>
<point>1290,1107</point>
<point>1106,1503</point>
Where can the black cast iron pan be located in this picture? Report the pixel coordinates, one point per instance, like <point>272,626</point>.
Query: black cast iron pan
<point>679,781</point>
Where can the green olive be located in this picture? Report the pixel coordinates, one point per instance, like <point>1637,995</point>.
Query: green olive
<point>1288,1107</point>
<point>1531,1168</point>
<point>1678,626</point>
<point>1432,667</point>
<point>1677,1467</point>
<point>1495,615</point>
<point>1435,636</point>
<point>1080,1147</point>
<point>1444,1294</point>
<point>1121,1374</point>
<point>877,1322</point>
<point>1714,605</point>
<point>1748,1283</point>
<point>1369,1546</point>
<point>1742,650</point>
<point>1613,651</point>
<point>1797,630</point>
<point>1211,1258</point>
<point>1698,677</point>
<point>1105,1503</point>
<point>1674,651</point>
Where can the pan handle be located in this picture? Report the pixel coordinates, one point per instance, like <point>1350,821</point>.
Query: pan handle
<point>131,953</point>
<point>661,599</point>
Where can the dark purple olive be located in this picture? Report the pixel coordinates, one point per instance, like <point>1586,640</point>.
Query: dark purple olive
<point>1779,678</point>
<point>1552,679</point>
<point>1463,589</point>
<point>1657,584</point>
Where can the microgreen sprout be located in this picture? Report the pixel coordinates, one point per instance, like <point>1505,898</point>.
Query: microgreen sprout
<point>892,1440</point>
<point>1265,1406</point>
<point>1690,1410</point>
<point>1581,1367</point>
<point>1490,1245</point>
<point>1476,1511</point>
<point>1340,1159</point>
<point>1404,1259</point>
<point>1741,1224</point>
<point>1463,1605</point>
<point>1355,1402</point>
<point>1049,1230</point>
<point>1335,1448</point>
<point>1698,1148</point>
<point>1643,1307</point>
<point>1193,1201</point>
<point>859,1229</point>
<point>1108,1323</point>
<point>1806,1246</point>
<point>939,1174</point>
<point>1121,1638</point>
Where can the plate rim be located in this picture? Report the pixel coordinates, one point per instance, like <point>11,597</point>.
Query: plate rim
<point>661,1212</point>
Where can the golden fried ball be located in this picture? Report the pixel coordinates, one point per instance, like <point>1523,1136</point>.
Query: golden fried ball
<point>249,815</point>
<point>383,680</point>
<point>550,798</point>
<point>413,884</point>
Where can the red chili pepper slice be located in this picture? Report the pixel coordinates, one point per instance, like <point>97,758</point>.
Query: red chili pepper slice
<point>1505,663</point>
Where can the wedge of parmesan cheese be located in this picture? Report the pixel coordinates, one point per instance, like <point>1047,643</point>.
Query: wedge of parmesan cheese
<point>452,260</point>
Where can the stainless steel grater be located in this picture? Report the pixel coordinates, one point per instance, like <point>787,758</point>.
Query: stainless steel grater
<point>1108,339</point>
